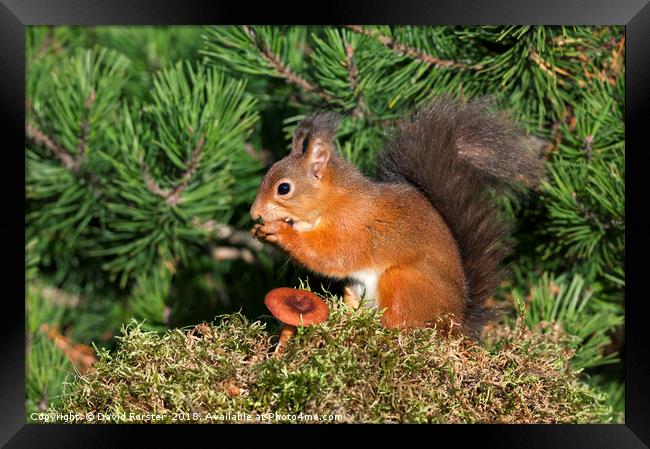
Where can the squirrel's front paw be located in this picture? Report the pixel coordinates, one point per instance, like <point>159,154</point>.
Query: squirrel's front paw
<point>267,232</point>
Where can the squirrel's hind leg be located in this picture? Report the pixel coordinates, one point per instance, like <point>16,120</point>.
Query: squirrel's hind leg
<point>411,298</point>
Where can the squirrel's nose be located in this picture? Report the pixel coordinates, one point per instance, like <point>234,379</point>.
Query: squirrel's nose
<point>255,213</point>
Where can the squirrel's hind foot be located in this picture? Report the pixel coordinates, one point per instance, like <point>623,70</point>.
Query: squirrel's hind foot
<point>351,298</point>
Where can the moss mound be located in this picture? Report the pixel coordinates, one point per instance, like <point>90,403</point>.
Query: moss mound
<point>350,369</point>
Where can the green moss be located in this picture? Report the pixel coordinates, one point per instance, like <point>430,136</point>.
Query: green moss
<point>350,366</point>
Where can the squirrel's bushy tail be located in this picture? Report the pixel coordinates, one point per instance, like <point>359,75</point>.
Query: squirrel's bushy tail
<point>458,155</point>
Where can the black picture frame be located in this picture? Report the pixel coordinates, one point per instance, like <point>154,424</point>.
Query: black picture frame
<point>634,14</point>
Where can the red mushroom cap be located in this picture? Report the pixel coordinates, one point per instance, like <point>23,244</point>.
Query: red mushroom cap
<point>296,307</point>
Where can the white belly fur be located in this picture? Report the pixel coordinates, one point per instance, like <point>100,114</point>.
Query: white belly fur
<point>367,285</point>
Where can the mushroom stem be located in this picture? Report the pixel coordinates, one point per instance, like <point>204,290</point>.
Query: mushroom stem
<point>286,333</point>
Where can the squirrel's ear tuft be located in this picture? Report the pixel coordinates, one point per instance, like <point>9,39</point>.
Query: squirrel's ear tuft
<point>320,125</point>
<point>314,140</point>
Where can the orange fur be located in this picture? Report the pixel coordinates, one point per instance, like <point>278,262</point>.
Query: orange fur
<point>399,240</point>
<point>389,228</point>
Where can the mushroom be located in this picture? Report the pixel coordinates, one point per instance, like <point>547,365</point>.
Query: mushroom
<point>293,308</point>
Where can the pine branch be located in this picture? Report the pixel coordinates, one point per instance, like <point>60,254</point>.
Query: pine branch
<point>588,214</point>
<point>173,196</point>
<point>610,72</point>
<point>361,108</point>
<point>152,186</point>
<point>615,65</point>
<point>553,143</point>
<point>283,70</point>
<point>85,124</point>
<point>221,253</point>
<point>587,146</point>
<point>229,234</point>
<point>192,166</point>
<point>73,164</point>
<point>60,297</point>
<point>47,45</point>
<point>44,140</point>
<point>81,356</point>
<point>262,155</point>
<point>548,68</point>
<point>411,52</point>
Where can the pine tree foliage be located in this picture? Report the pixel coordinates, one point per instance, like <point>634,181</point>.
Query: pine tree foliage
<point>67,124</point>
<point>46,368</point>
<point>586,192</point>
<point>564,83</point>
<point>128,183</point>
<point>129,169</point>
<point>561,301</point>
<point>145,146</point>
<point>149,49</point>
<point>181,163</point>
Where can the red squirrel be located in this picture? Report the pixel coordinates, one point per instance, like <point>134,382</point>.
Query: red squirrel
<point>426,240</point>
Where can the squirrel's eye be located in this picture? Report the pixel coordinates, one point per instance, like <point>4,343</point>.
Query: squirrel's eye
<point>284,188</point>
